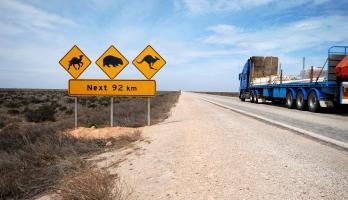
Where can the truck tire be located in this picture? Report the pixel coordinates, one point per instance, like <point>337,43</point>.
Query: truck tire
<point>256,99</point>
<point>290,102</point>
<point>242,96</point>
<point>300,101</point>
<point>313,102</point>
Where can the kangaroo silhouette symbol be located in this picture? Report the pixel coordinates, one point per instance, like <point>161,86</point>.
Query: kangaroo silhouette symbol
<point>149,60</point>
<point>76,61</point>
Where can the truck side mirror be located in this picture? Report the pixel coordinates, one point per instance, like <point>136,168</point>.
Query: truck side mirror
<point>239,76</point>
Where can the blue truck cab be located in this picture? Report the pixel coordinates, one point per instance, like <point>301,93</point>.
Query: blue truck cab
<point>244,81</point>
<point>312,95</point>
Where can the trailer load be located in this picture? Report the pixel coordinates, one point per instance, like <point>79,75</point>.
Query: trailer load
<point>313,89</point>
<point>264,66</point>
<point>342,69</point>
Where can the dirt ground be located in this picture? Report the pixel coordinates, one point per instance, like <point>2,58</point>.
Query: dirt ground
<point>206,152</point>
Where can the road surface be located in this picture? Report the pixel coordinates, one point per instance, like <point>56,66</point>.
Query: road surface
<point>327,124</point>
<point>204,151</point>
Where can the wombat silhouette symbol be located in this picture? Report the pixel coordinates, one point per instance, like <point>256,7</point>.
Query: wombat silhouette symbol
<point>76,61</point>
<point>112,60</point>
<point>149,60</point>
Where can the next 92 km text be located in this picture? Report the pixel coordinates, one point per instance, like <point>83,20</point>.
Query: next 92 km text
<point>114,87</point>
<point>83,87</point>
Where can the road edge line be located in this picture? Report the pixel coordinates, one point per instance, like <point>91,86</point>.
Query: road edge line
<point>298,130</point>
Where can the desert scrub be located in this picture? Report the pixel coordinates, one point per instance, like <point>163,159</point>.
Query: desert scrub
<point>91,184</point>
<point>12,104</point>
<point>43,113</point>
<point>35,157</point>
<point>13,112</point>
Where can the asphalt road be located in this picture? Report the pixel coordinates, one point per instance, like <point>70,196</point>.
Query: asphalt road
<point>331,125</point>
<point>204,151</point>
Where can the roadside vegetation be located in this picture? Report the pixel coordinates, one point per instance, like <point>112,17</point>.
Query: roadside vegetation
<point>36,154</point>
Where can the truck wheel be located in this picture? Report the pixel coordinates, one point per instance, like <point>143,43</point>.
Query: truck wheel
<point>290,103</point>
<point>256,99</point>
<point>313,102</point>
<point>300,101</point>
<point>241,96</point>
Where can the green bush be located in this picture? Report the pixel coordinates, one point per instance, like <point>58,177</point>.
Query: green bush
<point>43,113</point>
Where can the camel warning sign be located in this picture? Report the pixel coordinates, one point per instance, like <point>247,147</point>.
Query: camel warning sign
<point>149,62</point>
<point>112,62</point>
<point>75,62</point>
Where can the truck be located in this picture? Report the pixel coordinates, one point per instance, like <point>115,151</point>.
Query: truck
<point>326,87</point>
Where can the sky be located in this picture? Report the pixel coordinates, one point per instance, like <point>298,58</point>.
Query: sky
<point>205,42</point>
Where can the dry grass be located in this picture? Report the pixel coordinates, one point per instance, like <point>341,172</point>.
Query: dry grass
<point>34,156</point>
<point>92,184</point>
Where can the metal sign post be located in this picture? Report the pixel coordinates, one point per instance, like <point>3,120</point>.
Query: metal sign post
<point>112,112</point>
<point>148,112</point>
<point>75,112</point>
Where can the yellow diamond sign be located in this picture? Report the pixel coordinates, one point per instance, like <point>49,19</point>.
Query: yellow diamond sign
<point>112,62</point>
<point>149,62</point>
<point>75,62</point>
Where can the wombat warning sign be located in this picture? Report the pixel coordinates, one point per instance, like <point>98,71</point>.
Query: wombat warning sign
<point>112,62</point>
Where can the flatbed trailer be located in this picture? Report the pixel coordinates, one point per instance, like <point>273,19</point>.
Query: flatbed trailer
<point>310,94</point>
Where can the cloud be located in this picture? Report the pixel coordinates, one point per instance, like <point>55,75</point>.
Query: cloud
<point>18,17</point>
<point>208,6</point>
<point>302,34</point>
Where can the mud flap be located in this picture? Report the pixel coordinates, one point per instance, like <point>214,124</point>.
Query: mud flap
<point>326,104</point>
<point>344,93</point>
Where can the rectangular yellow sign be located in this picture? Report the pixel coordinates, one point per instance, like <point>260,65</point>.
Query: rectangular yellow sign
<point>101,87</point>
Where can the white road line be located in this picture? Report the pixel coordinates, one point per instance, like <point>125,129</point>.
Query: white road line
<point>299,130</point>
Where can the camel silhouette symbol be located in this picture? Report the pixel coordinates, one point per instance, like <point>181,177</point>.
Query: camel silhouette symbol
<point>76,61</point>
<point>149,60</point>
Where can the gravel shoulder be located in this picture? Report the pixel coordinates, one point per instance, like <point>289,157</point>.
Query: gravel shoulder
<point>206,152</point>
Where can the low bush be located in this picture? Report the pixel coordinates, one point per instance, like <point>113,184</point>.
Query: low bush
<point>69,111</point>
<point>69,100</point>
<point>35,100</point>
<point>91,184</point>
<point>13,112</point>
<point>43,113</point>
<point>13,104</point>
<point>62,108</point>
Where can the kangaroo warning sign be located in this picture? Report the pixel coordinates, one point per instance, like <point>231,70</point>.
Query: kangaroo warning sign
<point>75,62</point>
<point>100,87</point>
<point>149,62</point>
<point>112,62</point>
